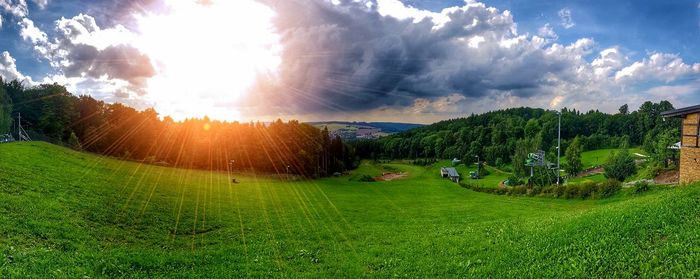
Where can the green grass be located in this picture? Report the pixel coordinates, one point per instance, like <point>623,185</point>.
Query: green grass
<point>492,180</point>
<point>598,157</point>
<point>591,178</point>
<point>68,214</point>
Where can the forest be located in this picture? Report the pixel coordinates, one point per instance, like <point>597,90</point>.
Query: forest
<point>505,136</point>
<point>50,113</point>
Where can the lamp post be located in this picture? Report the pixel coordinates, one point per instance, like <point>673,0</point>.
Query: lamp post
<point>559,149</point>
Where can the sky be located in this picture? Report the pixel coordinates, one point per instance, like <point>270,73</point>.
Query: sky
<point>368,60</point>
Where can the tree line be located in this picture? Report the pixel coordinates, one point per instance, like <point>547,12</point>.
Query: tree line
<point>49,112</point>
<point>506,137</point>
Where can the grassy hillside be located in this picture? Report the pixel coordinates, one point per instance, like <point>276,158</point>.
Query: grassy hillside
<point>598,157</point>
<point>69,214</point>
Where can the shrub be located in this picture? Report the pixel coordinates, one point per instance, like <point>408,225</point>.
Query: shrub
<point>586,189</point>
<point>536,190</point>
<point>571,191</point>
<point>650,171</point>
<point>558,191</point>
<point>499,162</point>
<point>641,186</point>
<point>74,142</point>
<point>519,190</point>
<point>366,178</point>
<point>609,187</point>
<point>514,181</point>
<point>620,165</point>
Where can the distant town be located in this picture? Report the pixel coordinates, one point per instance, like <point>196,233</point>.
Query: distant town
<point>363,130</point>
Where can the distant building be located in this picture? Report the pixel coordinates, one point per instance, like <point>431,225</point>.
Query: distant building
<point>450,173</point>
<point>690,142</point>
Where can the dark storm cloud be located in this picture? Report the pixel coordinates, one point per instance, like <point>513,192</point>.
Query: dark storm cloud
<point>122,62</point>
<point>349,57</point>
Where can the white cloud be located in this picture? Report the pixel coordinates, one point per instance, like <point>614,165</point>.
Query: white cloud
<point>547,32</point>
<point>608,60</point>
<point>41,3</point>
<point>86,56</point>
<point>82,29</point>
<point>663,67</point>
<point>567,20</point>
<point>31,33</point>
<point>17,8</point>
<point>8,69</point>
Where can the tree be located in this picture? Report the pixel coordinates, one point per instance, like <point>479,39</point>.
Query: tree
<point>573,157</point>
<point>661,151</point>
<point>624,109</point>
<point>620,165</point>
<point>522,149</point>
<point>5,110</point>
<point>73,142</point>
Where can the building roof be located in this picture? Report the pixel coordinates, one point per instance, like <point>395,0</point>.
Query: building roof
<point>681,111</point>
<point>452,172</point>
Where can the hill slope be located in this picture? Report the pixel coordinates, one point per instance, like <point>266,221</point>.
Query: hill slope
<point>70,214</point>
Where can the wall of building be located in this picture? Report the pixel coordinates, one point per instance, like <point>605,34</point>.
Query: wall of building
<point>690,156</point>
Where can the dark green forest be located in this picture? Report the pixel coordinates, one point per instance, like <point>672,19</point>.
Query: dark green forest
<point>502,137</point>
<point>50,113</point>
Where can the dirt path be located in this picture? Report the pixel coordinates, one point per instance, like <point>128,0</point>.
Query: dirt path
<point>667,177</point>
<point>589,172</point>
<point>389,176</point>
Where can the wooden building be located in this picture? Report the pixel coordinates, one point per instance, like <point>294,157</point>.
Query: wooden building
<point>690,142</point>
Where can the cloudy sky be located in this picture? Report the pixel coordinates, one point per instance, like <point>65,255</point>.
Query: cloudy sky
<point>377,60</point>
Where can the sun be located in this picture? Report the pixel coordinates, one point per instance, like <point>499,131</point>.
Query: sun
<point>207,55</point>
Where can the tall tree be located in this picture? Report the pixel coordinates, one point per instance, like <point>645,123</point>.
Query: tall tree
<point>5,110</point>
<point>573,157</point>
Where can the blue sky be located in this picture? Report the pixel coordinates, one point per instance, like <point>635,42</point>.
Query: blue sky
<point>395,60</point>
<point>641,26</point>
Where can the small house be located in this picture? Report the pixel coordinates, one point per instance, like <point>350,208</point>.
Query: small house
<point>690,142</point>
<point>450,173</point>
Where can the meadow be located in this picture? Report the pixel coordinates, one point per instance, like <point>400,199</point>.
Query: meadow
<point>68,214</point>
<point>598,157</point>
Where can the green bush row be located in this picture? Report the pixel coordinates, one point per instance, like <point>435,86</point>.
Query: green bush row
<point>586,190</point>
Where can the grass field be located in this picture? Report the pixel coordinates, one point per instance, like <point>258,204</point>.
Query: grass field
<point>492,180</point>
<point>598,157</point>
<point>73,215</point>
<point>591,178</point>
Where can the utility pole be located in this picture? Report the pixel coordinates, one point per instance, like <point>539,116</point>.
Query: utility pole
<point>559,149</point>
<point>21,133</point>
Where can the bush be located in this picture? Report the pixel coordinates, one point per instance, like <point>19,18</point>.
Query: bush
<point>74,143</point>
<point>650,171</point>
<point>586,189</point>
<point>366,178</point>
<point>571,191</point>
<point>609,187</point>
<point>620,165</point>
<point>641,186</point>
<point>558,191</point>
<point>519,190</point>
<point>514,181</point>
